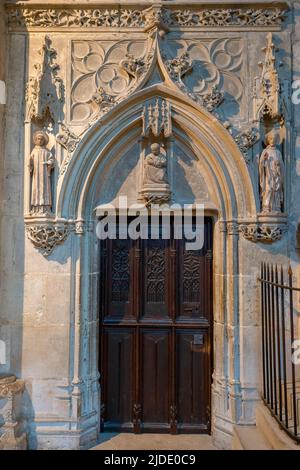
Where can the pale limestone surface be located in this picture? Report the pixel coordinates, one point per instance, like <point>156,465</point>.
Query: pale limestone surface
<point>114,441</point>
<point>49,305</point>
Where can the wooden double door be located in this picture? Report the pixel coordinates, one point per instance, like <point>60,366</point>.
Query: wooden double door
<point>156,335</point>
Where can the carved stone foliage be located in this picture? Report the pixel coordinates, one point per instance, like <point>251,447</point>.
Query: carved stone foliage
<point>103,74</point>
<point>136,17</point>
<point>179,66</point>
<point>45,89</point>
<point>271,95</point>
<point>67,139</point>
<point>262,233</point>
<point>246,139</point>
<point>47,236</point>
<point>157,118</point>
<point>208,70</point>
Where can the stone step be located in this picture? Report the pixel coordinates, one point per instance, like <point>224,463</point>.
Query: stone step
<point>249,438</point>
<point>271,431</point>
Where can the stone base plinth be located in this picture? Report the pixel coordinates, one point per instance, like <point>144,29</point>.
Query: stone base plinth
<point>12,435</point>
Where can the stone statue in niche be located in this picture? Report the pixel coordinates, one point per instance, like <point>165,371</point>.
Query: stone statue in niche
<point>155,167</point>
<point>41,164</point>
<point>271,173</point>
<point>156,188</point>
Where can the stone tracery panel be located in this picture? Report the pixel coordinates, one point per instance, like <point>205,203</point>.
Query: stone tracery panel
<point>215,63</point>
<point>113,68</point>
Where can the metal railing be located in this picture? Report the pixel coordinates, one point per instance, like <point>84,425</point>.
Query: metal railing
<point>281,389</point>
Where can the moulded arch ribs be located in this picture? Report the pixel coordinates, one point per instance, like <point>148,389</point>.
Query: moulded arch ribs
<point>205,134</point>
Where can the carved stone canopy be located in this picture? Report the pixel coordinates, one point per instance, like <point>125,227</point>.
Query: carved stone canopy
<point>270,93</point>
<point>45,89</point>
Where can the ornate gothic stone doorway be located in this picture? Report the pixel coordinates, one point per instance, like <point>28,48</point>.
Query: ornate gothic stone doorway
<point>156,334</point>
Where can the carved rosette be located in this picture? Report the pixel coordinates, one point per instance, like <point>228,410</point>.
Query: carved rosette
<point>45,237</point>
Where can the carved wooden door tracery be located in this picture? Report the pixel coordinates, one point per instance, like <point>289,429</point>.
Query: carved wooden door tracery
<point>156,335</point>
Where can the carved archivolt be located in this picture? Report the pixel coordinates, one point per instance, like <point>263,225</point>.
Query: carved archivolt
<point>136,17</point>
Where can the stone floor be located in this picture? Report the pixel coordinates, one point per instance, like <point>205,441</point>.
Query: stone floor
<point>122,441</point>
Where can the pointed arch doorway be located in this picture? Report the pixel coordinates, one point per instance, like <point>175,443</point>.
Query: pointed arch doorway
<point>156,335</point>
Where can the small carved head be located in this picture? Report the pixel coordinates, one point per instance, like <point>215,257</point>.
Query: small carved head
<point>155,149</point>
<point>272,139</point>
<point>40,138</point>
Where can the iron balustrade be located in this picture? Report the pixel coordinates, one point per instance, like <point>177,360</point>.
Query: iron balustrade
<point>278,342</point>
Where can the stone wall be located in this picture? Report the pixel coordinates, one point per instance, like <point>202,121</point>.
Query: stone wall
<point>49,298</point>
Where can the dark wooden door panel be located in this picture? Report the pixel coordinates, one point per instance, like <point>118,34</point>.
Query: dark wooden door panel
<point>193,378</point>
<point>119,378</point>
<point>155,378</point>
<point>156,329</point>
<point>155,275</point>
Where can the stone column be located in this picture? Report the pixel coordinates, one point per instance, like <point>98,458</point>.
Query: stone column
<point>12,434</point>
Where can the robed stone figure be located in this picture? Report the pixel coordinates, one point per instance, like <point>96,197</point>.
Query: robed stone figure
<point>271,172</point>
<point>155,167</point>
<point>41,164</point>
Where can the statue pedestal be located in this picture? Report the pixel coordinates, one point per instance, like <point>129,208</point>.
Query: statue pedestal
<point>12,435</point>
<point>156,195</point>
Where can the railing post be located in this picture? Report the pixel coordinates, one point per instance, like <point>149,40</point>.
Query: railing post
<point>284,349</point>
<point>278,344</point>
<point>290,273</point>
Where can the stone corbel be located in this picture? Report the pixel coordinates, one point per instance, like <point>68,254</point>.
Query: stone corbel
<point>267,229</point>
<point>46,235</point>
